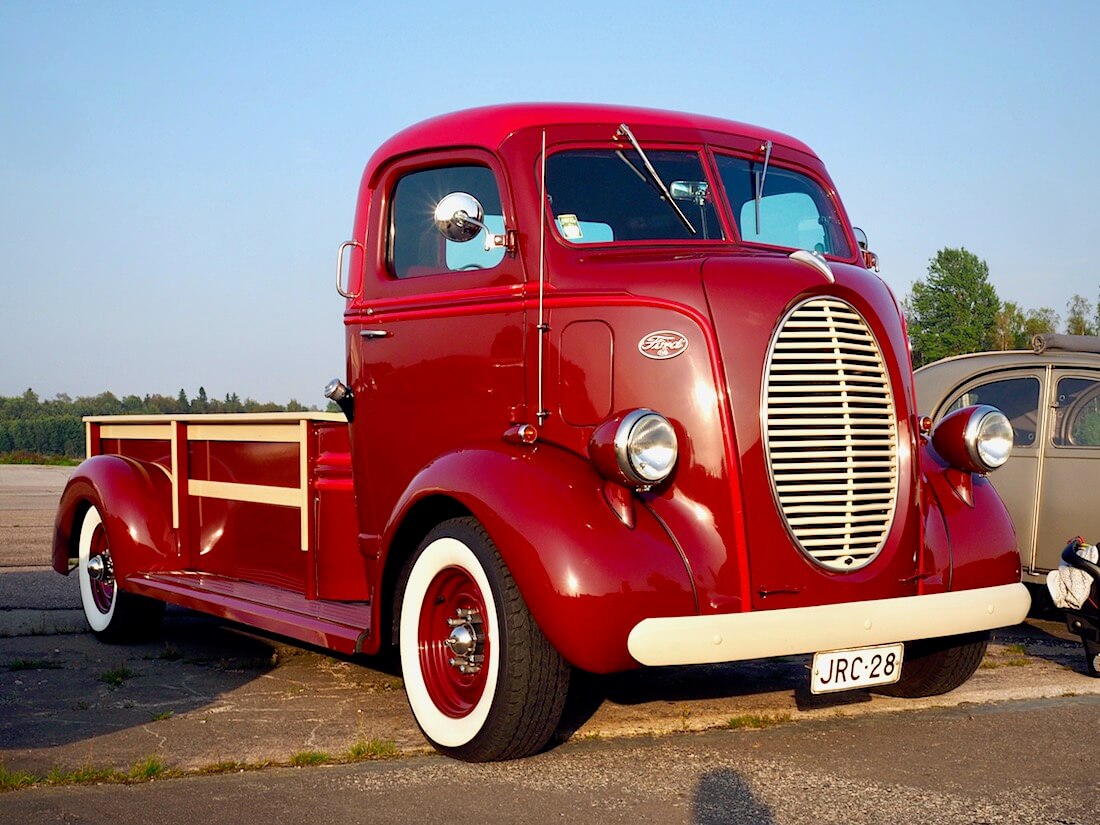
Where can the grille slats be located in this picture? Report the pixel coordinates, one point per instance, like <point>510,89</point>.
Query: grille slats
<point>831,434</point>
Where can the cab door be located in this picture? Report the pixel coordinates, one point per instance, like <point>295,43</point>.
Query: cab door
<point>435,340</point>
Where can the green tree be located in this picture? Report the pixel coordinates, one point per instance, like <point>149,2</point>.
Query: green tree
<point>1040,321</point>
<point>1009,331</point>
<point>955,310</point>
<point>1078,312</point>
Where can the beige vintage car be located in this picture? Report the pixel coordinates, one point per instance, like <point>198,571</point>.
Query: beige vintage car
<point>1051,394</point>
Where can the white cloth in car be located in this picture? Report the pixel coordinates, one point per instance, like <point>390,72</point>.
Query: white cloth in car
<point>1070,587</point>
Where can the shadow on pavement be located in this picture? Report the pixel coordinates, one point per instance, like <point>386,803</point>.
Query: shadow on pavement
<point>76,688</point>
<point>723,797</point>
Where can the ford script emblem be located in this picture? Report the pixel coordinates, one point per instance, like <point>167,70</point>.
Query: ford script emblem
<point>662,345</point>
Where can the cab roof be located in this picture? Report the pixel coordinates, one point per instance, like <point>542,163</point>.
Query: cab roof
<point>488,126</point>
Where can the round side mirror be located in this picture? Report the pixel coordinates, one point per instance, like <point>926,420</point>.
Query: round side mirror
<point>861,237</point>
<point>458,216</point>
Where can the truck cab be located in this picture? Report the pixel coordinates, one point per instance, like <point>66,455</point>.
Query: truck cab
<point>622,388</point>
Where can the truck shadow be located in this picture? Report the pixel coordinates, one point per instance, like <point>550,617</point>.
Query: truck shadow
<point>57,690</point>
<point>1042,637</point>
<point>767,686</point>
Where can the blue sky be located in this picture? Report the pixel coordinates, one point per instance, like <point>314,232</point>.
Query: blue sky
<point>175,178</point>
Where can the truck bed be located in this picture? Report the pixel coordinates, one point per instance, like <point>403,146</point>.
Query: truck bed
<point>263,510</point>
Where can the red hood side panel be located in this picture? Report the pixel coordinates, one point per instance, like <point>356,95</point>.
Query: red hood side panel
<point>748,297</point>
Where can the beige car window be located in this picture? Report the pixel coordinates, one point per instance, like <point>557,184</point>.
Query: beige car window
<point>1077,413</point>
<point>1017,398</point>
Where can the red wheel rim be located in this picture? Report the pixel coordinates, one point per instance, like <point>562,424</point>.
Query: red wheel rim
<point>453,692</point>
<point>103,593</point>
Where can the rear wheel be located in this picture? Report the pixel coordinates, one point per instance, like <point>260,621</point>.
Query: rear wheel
<point>935,666</point>
<point>113,614</point>
<point>482,680</point>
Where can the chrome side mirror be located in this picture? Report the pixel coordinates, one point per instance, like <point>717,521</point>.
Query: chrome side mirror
<point>870,259</point>
<point>459,217</point>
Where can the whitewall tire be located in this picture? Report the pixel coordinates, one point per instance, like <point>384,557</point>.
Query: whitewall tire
<point>482,680</point>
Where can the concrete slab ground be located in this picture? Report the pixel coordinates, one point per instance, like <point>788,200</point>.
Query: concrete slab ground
<point>33,599</point>
<point>206,693</point>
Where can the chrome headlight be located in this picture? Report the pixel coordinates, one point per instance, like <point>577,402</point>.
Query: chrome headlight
<point>976,439</point>
<point>988,437</point>
<point>645,446</point>
<point>637,448</point>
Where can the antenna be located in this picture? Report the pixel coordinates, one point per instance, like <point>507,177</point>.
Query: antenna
<point>543,327</point>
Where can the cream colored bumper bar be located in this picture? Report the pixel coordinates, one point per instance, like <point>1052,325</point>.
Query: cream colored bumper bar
<point>732,637</point>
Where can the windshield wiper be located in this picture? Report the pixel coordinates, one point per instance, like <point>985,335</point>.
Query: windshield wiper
<point>767,149</point>
<point>665,194</point>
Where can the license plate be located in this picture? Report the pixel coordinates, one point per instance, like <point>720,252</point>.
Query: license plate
<point>857,668</point>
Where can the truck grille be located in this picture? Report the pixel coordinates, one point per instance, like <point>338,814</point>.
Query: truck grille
<point>831,434</point>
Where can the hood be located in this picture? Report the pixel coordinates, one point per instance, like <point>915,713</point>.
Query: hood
<point>820,394</point>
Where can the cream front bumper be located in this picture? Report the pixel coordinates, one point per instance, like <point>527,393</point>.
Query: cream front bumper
<point>732,637</point>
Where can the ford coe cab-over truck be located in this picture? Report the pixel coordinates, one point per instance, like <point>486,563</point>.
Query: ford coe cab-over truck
<point>622,388</point>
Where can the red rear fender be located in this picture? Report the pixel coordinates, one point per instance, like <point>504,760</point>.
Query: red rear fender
<point>134,498</point>
<point>587,577</point>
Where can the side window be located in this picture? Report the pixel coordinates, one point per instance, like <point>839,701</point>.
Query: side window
<point>1077,414</point>
<point>1017,398</point>
<point>416,247</point>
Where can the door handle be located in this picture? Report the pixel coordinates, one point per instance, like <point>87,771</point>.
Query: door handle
<point>374,333</point>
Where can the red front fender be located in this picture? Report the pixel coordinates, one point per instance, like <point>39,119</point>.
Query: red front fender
<point>586,576</point>
<point>969,538</point>
<point>134,499</point>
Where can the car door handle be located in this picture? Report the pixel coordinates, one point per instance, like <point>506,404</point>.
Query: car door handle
<point>375,333</point>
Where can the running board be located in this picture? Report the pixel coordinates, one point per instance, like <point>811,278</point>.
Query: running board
<point>340,626</point>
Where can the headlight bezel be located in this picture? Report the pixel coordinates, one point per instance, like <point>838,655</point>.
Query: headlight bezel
<point>615,450</point>
<point>963,438</point>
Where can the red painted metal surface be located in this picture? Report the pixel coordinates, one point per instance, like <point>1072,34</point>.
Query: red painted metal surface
<point>586,577</point>
<point>450,365</point>
<point>976,546</point>
<point>134,500</point>
<point>337,626</point>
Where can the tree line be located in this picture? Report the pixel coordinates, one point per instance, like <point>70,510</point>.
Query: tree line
<point>31,427</point>
<point>956,310</point>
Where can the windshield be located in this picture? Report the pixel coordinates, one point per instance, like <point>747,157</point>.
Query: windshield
<point>603,195</point>
<point>794,211</point>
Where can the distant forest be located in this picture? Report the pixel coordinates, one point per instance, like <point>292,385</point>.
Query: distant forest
<point>33,429</point>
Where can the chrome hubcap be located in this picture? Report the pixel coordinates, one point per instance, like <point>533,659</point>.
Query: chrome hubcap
<point>101,569</point>
<point>464,642</point>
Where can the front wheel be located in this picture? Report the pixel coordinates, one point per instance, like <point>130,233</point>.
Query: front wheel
<point>112,614</point>
<point>935,666</point>
<point>482,680</point>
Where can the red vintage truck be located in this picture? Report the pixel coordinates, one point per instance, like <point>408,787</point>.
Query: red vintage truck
<point>622,388</point>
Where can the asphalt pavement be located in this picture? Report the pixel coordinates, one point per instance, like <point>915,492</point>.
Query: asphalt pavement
<point>206,693</point>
